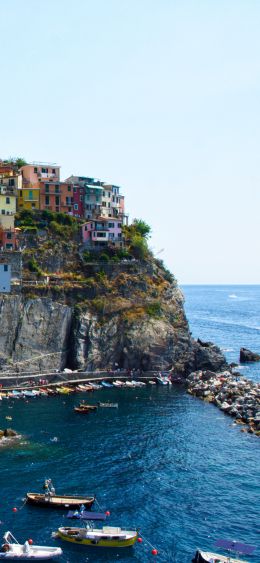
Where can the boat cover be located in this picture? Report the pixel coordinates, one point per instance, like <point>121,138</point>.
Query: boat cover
<point>236,546</point>
<point>86,515</point>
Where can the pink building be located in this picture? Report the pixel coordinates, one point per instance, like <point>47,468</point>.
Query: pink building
<point>102,232</point>
<point>40,172</point>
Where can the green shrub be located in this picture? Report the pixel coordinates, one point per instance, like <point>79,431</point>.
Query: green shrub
<point>153,309</point>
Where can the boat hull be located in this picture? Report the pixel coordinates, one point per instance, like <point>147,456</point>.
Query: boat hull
<point>59,502</point>
<point>91,542</point>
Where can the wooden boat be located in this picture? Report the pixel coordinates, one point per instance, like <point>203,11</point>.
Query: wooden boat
<point>90,407</point>
<point>229,545</point>
<point>107,536</point>
<point>12,550</point>
<point>82,410</point>
<point>59,501</point>
<point>109,405</point>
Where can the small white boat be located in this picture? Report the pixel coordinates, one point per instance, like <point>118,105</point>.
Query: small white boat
<point>119,383</point>
<point>130,384</point>
<point>139,383</point>
<point>12,550</point>
<point>109,405</point>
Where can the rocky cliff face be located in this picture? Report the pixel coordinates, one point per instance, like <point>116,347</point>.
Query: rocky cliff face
<point>135,320</point>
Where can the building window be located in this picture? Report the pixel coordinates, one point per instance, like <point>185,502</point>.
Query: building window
<point>57,189</point>
<point>104,203</point>
<point>111,225</point>
<point>74,189</point>
<point>30,194</point>
<point>109,204</point>
<point>21,194</point>
<point>76,206</point>
<point>8,235</point>
<point>11,182</point>
<point>47,200</point>
<point>35,170</point>
<point>33,205</point>
<point>104,194</point>
<point>45,170</point>
<point>57,200</point>
<point>47,188</point>
<point>7,199</point>
<point>53,171</point>
<point>5,268</point>
<point>81,197</point>
<point>69,188</point>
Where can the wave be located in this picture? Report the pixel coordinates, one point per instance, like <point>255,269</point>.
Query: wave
<point>227,350</point>
<point>233,296</point>
<point>230,322</point>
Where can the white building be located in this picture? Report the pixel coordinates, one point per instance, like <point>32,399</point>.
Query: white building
<point>5,278</point>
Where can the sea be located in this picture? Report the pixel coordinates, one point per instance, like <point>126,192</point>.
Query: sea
<point>164,462</point>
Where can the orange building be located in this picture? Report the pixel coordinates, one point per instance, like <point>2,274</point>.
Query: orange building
<point>56,197</point>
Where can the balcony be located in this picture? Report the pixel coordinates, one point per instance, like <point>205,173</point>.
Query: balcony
<point>48,176</point>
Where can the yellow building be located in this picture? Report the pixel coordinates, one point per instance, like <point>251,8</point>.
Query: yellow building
<point>28,198</point>
<point>7,207</point>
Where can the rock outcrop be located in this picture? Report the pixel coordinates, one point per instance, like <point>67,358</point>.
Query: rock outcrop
<point>248,356</point>
<point>134,319</point>
<point>233,394</point>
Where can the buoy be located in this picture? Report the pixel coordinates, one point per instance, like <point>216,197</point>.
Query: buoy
<point>30,541</point>
<point>154,552</point>
<point>14,509</point>
<point>139,540</point>
<point>107,513</point>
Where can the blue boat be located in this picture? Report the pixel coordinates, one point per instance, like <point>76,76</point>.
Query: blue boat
<point>228,545</point>
<point>106,384</point>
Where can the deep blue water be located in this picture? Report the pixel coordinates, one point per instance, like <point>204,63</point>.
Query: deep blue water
<point>165,462</point>
<point>229,316</point>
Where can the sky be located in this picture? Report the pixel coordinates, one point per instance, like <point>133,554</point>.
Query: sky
<point>160,97</point>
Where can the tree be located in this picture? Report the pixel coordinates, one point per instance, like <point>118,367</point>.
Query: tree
<point>142,228</point>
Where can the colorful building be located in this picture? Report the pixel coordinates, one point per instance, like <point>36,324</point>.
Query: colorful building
<point>101,232</point>
<point>35,177</point>
<point>8,239</point>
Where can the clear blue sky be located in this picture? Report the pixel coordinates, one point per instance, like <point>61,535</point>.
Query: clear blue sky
<point>158,96</point>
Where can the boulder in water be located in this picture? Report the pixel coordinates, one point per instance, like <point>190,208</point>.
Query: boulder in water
<point>248,356</point>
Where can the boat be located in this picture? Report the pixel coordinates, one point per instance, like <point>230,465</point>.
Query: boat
<point>162,380</point>
<point>51,500</point>
<point>89,407</point>
<point>138,383</point>
<point>12,550</point>
<point>107,536</point>
<point>152,382</point>
<point>59,501</point>
<point>228,545</point>
<point>130,384</point>
<point>106,384</point>
<point>109,405</point>
<point>95,386</point>
<point>82,410</point>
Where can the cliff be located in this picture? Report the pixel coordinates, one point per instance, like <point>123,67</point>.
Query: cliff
<point>129,313</point>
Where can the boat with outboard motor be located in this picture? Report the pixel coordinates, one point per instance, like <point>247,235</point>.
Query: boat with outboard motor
<point>229,545</point>
<point>107,536</point>
<point>12,550</point>
<point>49,498</point>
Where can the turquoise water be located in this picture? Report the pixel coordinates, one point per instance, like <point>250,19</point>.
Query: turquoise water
<point>164,462</point>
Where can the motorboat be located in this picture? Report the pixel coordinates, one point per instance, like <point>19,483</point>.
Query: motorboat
<point>49,499</point>
<point>89,407</point>
<point>106,384</point>
<point>107,536</point>
<point>82,410</point>
<point>228,545</point>
<point>12,550</point>
<point>108,405</point>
